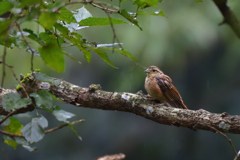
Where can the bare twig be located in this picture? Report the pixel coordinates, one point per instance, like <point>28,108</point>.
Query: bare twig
<point>6,117</point>
<point>10,67</point>
<point>11,134</point>
<point>46,132</point>
<point>5,53</point>
<point>29,47</point>
<point>4,152</point>
<point>119,156</point>
<point>237,156</point>
<point>98,4</point>
<point>229,16</point>
<point>3,67</point>
<point>224,135</point>
<point>64,125</point>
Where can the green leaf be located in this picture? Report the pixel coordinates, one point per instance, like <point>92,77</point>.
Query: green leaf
<point>14,126</point>
<point>11,41</point>
<point>53,56</point>
<point>62,115</point>
<point>13,101</point>
<point>75,132</point>
<point>146,3</point>
<point>122,51</point>
<point>9,141</point>
<point>47,19</point>
<point>43,99</point>
<point>42,77</point>
<point>33,36</point>
<point>33,131</point>
<point>87,53</point>
<point>102,54</point>
<point>25,3</point>
<point>64,30</point>
<point>4,24</point>
<point>66,16</point>
<point>94,21</point>
<point>24,144</point>
<point>157,13</point>
<point>5,6</point>
<point>125,14</point>
<point>199,1</point>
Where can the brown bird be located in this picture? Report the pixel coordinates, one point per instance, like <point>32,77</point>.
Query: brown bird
<point>159,86</point>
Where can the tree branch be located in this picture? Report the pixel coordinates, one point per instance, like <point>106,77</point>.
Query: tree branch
<point>229,17</point>
<point>93,97</point>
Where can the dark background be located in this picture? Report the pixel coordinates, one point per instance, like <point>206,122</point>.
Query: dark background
<point>201,57</point>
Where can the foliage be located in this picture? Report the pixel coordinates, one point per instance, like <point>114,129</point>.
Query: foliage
<point>61,26</point>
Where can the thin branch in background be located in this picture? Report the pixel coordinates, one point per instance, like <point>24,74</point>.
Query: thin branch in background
<point>6,117</point>
<point>228,16</point>
<point>119,156</point>
<point>57,37</point>
<point>114,32</point>
<point>115,37</point>
<point>10,67</point>
<point>11,134</point>
<point>5,54</point>
<point>224,135</point>
<point>29,47</point>
<point>237,156</point>
<point>48,131</point>
<point>4,152</point>
<point>97,4</point>
<point>64,125</point>
<point>3,67</point>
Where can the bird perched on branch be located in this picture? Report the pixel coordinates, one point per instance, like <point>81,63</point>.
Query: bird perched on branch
<point>159,86</point>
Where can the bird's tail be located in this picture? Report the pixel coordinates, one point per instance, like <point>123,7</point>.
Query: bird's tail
<point>176,104</point>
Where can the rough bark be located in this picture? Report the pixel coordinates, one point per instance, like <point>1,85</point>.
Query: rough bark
<point>94,97</point>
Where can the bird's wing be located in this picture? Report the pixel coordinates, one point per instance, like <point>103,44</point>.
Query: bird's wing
<point>170,91</point>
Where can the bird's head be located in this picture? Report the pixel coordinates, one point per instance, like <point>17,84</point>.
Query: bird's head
<point>153,70</point>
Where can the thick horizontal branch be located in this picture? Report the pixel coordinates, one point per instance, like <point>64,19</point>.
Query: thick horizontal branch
<point>229,17</point>
<point>93,97</point>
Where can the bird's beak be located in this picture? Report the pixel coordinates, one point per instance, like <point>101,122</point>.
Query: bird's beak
<point>146,71</point>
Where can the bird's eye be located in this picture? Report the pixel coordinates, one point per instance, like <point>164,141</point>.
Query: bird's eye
<point>154,70</point>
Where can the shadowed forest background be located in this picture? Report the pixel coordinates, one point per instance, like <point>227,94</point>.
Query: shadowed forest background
<point>202,59</point>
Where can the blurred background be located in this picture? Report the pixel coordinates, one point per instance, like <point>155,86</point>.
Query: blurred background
<point>202,58</point>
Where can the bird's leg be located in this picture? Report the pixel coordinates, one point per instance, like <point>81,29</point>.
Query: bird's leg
<point>162,104</point>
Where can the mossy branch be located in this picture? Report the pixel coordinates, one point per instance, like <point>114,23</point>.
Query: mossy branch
<point>93,97</point>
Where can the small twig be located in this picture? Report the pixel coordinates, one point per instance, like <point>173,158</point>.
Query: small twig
<point>224,135</point>
<point>5,54</point>
<point>10,67</point>
<point>119,43</point>
<point>29,47</point>
<point>4,152</point>
<point>228,16</point>
<point>237,156</point>
<point>11,134</point>
<point>48,131</point>
<point>114,32</point>
<point>5,118</point>
<point>119,156</point>
<point>98,5</point>
<point>3,68</point>
<point>64,125</point>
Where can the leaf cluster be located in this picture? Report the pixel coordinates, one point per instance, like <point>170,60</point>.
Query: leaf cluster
<point>60,28</point>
